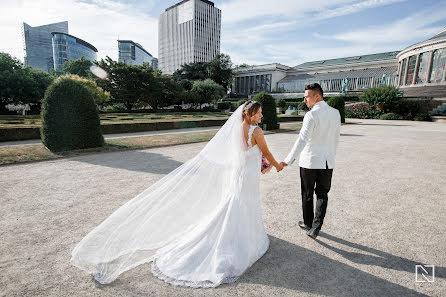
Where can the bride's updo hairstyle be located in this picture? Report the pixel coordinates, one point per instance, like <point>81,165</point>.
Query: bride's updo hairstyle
<point>250,108</point>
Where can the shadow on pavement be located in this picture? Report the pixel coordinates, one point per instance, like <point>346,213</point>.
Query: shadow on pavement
<point>383,124</point>
<point>134,160</point>
<point>290,266</point>
<point>381,259</point>
<point>346,134</point>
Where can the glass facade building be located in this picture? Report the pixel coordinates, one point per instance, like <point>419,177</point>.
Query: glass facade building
<point>37,44</point>
<point>133,53</point>
<point>424,63</point>
<point>67,47</point>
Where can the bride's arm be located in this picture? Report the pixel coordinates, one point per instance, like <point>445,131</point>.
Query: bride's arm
<point>260,140</point>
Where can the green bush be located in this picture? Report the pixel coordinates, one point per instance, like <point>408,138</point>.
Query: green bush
<point>269,110</point>
<point>240,102</point>
<point>281,103</point>
<point>69,116</point>
<point>423,117</point>
<point>408,109</point>
<point>391,116</point>
<point>302,106</point>
<point>224,105</point>
<point>383,98</point>
<point>338,102</point>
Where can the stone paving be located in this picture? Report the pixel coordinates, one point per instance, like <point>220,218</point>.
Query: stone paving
<point>386,214</point>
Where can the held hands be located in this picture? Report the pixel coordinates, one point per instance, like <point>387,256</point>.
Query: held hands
<point>281,166</point>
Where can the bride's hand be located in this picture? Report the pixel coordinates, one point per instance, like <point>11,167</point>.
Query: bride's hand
<point>266,170</point>
<point>279,168</point>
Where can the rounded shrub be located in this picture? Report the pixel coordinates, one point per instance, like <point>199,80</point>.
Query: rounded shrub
<point>224,105</point>
<point>69,116</point>
<point>268,109</point>
<point>423,117</point>
<point>281,103</point>
<point>338,102</point>
<point>391,116</point>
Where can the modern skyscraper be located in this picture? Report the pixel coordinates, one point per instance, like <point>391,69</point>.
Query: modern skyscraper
<point>67,47</point>
<point>188,31</point>
<point>133,53</point>
<point>37,44</point>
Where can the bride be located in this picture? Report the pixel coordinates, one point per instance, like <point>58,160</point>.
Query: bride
<point>201,225</point>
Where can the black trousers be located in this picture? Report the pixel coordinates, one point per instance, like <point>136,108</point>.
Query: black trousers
<point>319,181</point>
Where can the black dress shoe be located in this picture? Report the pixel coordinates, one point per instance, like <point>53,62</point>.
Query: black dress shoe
<point>303,226</point>
<point>313,233</point>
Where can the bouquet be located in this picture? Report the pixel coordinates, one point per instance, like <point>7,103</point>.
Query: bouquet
<point>266,166</point>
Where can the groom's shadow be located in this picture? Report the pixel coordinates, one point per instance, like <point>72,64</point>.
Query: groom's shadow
<point>379,258</point>
<point>290,266</point>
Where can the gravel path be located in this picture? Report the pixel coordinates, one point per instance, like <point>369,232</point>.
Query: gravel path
<point>386,213</point>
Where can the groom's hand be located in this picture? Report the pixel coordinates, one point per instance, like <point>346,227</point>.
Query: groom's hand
<point>283,164</point>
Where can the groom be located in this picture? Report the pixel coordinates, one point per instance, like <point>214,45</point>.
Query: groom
<point>316,144</point>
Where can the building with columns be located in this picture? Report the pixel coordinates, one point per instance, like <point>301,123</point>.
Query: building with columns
<point>188,31</point>
<point>419,70</point>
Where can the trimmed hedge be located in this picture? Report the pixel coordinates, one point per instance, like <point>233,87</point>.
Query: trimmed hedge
<point>268,109</point>
<point>338,102</point>
<point>70,118</point>
<point>391,116</point>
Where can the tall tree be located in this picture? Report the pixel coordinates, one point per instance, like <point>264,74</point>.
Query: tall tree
<point>220,70</point>
<point>21,85</point>
<point>79,67</point>
<point>207,91</point>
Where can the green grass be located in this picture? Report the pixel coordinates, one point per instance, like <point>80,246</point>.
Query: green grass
<point>34,121</point>
<point>38,152</point>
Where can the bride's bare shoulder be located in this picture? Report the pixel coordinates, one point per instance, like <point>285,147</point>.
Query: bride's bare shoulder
<point>257,131</point>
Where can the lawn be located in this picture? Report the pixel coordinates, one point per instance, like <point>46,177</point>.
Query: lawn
<point>34,121</point>
<point>38,152</point>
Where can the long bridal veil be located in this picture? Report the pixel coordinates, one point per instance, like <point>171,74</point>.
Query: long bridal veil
<point>168,209</point>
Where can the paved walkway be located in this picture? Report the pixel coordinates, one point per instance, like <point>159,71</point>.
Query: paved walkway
<point>386,214</point>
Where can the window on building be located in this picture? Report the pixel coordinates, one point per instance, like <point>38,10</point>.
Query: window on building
<point>438,65</point>
<point>422,69</point>
<point>411,69</point>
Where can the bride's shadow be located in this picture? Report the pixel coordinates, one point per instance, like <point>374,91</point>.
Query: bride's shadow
<point>133,160</point>
<point>290,266</point>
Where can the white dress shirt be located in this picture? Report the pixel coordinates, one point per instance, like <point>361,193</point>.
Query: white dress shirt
<point>318,139</point>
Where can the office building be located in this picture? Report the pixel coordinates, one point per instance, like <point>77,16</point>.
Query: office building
<point>189,31</point>
<point>37,44</point>
<point>133,53</point>
<point>68,47</point>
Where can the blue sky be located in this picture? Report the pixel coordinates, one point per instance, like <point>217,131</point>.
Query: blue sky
<point>253,31</point>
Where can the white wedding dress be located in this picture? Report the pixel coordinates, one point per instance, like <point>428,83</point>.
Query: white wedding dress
<point>201,225</point>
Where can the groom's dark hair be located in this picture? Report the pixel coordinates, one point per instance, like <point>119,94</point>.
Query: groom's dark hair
<point>315,87</point>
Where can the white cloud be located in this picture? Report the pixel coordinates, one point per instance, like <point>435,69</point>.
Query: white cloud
<point>419,26</point>
<point>354,8</point>
<point>99,22</point>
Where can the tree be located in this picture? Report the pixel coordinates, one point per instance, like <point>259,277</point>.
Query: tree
<point>134,85</point>
<point>383,98</point>
<point>220,70</point>
<point>192,71</point>
<point>9,79</point>
<point>207,91</point>
<point>79,67</point>
<point>21,85</point>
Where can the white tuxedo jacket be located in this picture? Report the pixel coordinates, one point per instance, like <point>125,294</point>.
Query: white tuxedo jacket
<point>318,139</point>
